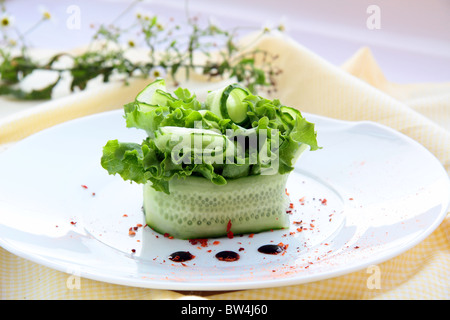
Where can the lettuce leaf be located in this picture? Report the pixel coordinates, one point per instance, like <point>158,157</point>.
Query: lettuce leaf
<point>124,159</point>
<point>270,142</point>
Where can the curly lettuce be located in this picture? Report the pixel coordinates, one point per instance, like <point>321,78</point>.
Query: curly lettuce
<point>186,137</point>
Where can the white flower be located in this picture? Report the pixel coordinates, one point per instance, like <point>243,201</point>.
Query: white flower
<point>143,14</point>
<point>131,43</point>
<point>158,72</point>
<point>281,26</point>
<point>45,14</point>
<point>6,21</point>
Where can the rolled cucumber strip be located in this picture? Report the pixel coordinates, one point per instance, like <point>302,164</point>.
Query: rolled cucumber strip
<point>197,208</point>
<point>148,93</point>
<point>232,105</point>
<point>207,146</point>
<point>228,103</point>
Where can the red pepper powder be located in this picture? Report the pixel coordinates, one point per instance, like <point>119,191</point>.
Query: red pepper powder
<point>202,242</point>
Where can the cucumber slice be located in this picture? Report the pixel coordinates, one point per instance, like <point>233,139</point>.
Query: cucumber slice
<point>187,136</point>
<point>197,208</point>
<point>212,101</point>
<point>232,105</point>
<point>289,114</point>
<point>228,103</point>
<point>146,95</point>
<point>144,107</point>
<point>162,98</point>
<point>205,145</point>
<point>140,106</point>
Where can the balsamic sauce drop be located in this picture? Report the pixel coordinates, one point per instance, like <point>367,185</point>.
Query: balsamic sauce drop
<point>181,256</point>
<point>228,256</point>
<point>271,249</point>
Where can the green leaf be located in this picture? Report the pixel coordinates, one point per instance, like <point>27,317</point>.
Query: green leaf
<point>303,132</point>
<point>272,140</point>
<point>148,120</point>
<point>124,159</point>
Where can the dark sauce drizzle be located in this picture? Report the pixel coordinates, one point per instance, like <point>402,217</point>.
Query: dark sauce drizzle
<point>181,256</point>
<point>228,256</point>
<point>271,249</point>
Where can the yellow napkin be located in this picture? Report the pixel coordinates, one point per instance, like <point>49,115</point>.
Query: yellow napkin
<point>356,91</point>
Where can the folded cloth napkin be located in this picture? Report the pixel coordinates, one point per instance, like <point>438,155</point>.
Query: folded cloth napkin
<point>356,91</point>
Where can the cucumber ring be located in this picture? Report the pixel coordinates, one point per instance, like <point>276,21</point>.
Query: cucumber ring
<point>146,95</point>
<point>236,109</point>
<point>196,208</point>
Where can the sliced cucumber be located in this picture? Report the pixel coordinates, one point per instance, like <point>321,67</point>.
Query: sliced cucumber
<point>162,98</point>
<point>146,95</point>
<point>289,114</point>
<point>232,105</point>
<point>145,107</point>
<point>197,208</point>
<point>205,146</point>
<point>139,106</point>
<point>187,136</point>
<point>228,103</point>
<point>212,101</point>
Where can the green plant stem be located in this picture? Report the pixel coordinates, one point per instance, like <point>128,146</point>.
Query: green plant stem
<point>166,50</point>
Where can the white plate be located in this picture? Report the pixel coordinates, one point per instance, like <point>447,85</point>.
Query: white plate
<point>384,194</point>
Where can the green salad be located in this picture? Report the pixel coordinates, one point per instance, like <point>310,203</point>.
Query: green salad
<point>211,168</point>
